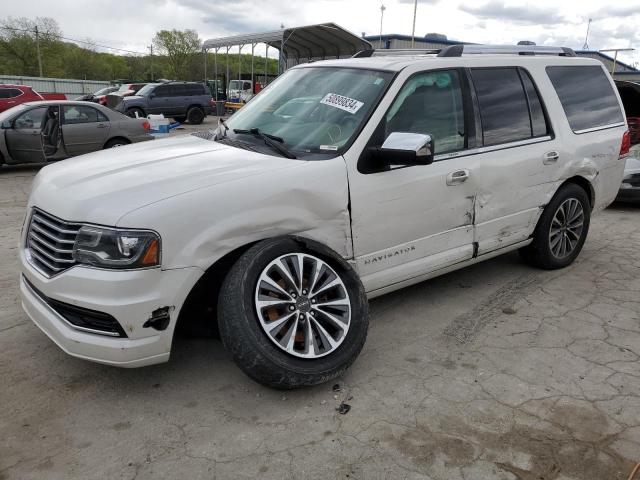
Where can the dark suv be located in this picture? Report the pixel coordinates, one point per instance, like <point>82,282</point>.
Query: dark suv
<point>179,100</point>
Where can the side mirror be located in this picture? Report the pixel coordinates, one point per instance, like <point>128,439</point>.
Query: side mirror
<point>402,148</point>
<point>152,95</point>
<point>7,124</point>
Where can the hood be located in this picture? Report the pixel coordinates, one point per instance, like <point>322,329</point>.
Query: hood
<point>102,187</point>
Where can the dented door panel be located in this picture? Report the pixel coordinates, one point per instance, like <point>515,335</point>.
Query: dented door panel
<point>512,184</point>
<point>411,217</point>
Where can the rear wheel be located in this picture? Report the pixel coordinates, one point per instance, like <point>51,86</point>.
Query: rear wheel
<point>291,317</point>
<point>561,230</point>
<point>135,112</point>
<point>116,142</point>
<point>195,116</point>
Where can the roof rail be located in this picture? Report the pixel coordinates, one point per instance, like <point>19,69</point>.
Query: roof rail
<point>380,52</point>
<point>459,50</point>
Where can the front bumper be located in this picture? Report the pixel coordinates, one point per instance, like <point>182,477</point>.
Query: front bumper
<point>128,296</point>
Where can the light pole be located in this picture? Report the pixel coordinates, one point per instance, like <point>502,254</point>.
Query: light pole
<point>413,30</point>
<point>382,9</point>
<point>586,38</point>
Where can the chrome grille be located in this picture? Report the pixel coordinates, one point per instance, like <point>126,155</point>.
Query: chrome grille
<point>50,242</point>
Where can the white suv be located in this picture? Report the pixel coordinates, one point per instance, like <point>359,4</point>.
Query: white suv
<point>341,181</point>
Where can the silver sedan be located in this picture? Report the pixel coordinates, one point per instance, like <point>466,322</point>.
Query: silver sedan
<point>45,131</point>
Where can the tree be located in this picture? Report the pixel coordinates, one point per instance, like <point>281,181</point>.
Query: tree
<point>18,44</point>
<point>179,46</point>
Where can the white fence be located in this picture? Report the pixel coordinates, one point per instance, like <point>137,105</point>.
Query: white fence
<point>70,88</point>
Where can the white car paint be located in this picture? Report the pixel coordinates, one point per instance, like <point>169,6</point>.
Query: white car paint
<point>206,199</point>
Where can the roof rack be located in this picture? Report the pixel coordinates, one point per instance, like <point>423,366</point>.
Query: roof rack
<point>459,50</point>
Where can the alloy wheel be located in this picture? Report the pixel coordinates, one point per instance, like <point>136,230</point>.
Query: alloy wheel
<point>566,228</point>
<point>303,305</point>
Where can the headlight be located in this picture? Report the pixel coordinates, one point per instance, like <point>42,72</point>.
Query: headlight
<point>110,248</point>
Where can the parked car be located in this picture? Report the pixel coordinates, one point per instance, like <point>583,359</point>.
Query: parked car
<point>407,167</point>
<point>12,95</point>
<point>125,90</point>
<point>179,100</point>
<point>42,131</point>
<point>99,96</point>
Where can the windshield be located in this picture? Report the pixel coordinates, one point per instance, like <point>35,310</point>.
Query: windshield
<point>144,91</point>
<point>314,109</point>
<point>235,85</point>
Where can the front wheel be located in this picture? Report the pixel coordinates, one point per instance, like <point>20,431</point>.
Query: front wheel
<point>291,317</point>
<point>561,230</point>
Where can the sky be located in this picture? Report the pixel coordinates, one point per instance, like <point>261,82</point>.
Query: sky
<point>131,24</point>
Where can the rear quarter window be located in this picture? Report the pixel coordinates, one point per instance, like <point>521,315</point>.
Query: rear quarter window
<point>586,95</point>
<point>9,92</point>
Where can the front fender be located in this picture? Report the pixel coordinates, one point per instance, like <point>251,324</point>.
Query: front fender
<point>200,227</point>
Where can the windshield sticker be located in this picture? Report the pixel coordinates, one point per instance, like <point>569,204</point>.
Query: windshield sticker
<point>343,103</point>
<point>328,147</point>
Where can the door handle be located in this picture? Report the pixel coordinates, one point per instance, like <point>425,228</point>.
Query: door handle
<point>101,125</point>
<point>550,157</point>
<point>457,177</point>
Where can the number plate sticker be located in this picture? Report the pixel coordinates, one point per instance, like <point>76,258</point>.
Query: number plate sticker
<point>347,104</point>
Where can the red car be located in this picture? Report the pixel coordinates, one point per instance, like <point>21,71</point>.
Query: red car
<point>12,95</point>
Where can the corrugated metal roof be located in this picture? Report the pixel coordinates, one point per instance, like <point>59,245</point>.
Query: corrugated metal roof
<point>311,41</point>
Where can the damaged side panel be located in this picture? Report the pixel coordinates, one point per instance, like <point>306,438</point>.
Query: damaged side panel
<point>309,200</point>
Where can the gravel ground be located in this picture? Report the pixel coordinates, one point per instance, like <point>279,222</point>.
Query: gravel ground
<point>498,371</point>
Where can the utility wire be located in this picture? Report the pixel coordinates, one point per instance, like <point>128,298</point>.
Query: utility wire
<point>73,40</point>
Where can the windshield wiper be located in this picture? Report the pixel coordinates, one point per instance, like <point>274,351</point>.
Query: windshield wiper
<point>271,140</point>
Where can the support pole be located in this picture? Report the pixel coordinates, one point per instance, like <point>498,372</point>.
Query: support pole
<point>206,54</point>
<point>226,86</point>
<point>38,51</point>
<point>413,30</point>
<point>253,88</point>
<point>266,64</point>
<point>151,60</point>
<point>215,72</point>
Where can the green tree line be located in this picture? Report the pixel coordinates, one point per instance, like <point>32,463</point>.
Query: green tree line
<point>177,56</point>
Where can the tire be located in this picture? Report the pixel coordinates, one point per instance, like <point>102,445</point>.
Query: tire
<point>555,249</point>
<point>244,332</point>
<point>116,142</point>
<point>132,113</point>
<point>195,116</point>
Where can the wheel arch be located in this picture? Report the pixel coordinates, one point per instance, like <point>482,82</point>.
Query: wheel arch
<point>201,302</point>
<point>116,137</point>
<point>137,107</point>
<point>583,183</point>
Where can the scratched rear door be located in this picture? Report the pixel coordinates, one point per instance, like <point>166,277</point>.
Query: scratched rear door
<point>517,159</point>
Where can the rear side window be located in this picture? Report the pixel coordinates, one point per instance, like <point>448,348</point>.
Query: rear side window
<point>195,89</point>
<point>539,126</point>
<point>504,108</point>
<point>9,92</point>
<point>74,114</point>
<point>586,95</point>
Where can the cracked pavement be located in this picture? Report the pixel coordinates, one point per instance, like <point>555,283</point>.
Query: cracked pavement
<point>498,371</point>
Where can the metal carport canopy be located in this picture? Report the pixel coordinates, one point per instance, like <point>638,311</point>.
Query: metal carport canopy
<point>311,41</point>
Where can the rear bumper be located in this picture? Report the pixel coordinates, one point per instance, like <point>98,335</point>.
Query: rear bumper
<point>628,194</point>
<point>128,296</point>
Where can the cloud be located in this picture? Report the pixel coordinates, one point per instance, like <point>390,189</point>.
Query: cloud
<point>617,11</point>
<point>497,10</point>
